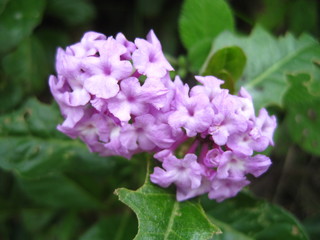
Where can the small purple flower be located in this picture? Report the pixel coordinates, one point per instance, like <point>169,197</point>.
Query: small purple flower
<point>129,101</point>
<point>222,189</point>
<point>148,59</point>
<point>193,114</point>
<point>145,134</point>
<point>185,173</point>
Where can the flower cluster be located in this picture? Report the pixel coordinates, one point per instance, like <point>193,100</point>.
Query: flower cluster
<point>222,133</point>
<point>100,93</point>
<point>118,97</point>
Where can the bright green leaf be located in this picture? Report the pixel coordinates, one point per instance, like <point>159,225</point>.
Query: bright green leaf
<point>245,217</point>
<point>18,20</point>
<point>269,60</point>
<point>161,217</point>
<point>202,19</point>
<point>303,114</point>
<point>226,64</point>
<point>198,53</point>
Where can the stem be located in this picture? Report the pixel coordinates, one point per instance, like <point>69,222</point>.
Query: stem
<point>284,172</point>
<point>149,169</point>
<point>193,147</point>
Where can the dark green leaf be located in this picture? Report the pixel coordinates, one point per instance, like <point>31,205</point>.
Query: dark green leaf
<point>120,227</point>
<point>36,219</point>
<point>202,19</point>
<point>279,16</point>
<point>3,4</point>
<point>269,60</point>
<point>10,94</point>
<point>303,117</point>
<point>72,12</point>
<point>227,64</point>
<point>160,216</point>
<point>63,227</point>
<point>27,67</point>
<point>58,191</point>
<point>31,146</point>
<point>245,217</point>
<point>18,20</point>
<point>312,226</point>
<point>307,22</point>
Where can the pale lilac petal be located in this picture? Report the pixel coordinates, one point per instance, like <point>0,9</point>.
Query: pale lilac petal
<point>102,86</point>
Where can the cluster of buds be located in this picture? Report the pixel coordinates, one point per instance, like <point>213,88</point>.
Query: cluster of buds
<point>118,97</point>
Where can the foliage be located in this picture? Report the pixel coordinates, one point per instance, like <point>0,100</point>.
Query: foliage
<point>52,187</point>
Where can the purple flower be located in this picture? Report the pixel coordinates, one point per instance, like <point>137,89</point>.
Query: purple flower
<point>185,173</point>
<point>210,87</point>
<point>266,124</point>
<point>222,189</point>
<point>225,121</point>
<point>117,97</point>
<point>247,142</point>
<point>148,59</point>
<point>193,114</point>
<point>145,134</point>
<point>129,101</point>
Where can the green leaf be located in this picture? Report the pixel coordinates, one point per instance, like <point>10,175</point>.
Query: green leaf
<point>198,53</point>
<point>3,4</point>
<point>58,191</point>
<point>278,16</point>
<point>161,217</point>
<point>270,60</point>
<point>119,227</point>
<point>72,12</point>
<point>245,217</point>
<point>199,23</point>
<point>31,146</point>
<point>64,226</point>
<point>36,219</point>
<point>303,113</point>
<point>27,67</point>
<point>18,20</point>
<point>202,19</point>
<point>10,94</point>
<point>227,64</point>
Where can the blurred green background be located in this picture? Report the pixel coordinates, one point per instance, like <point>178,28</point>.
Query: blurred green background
<point>68,196</point>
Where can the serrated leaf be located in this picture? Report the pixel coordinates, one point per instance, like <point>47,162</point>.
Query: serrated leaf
<point>303,114</point>
<point>269,60</point>
<point>18,20</point>
<point>253,219</point>
<point>227,64</point>
<point>161,217</point>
